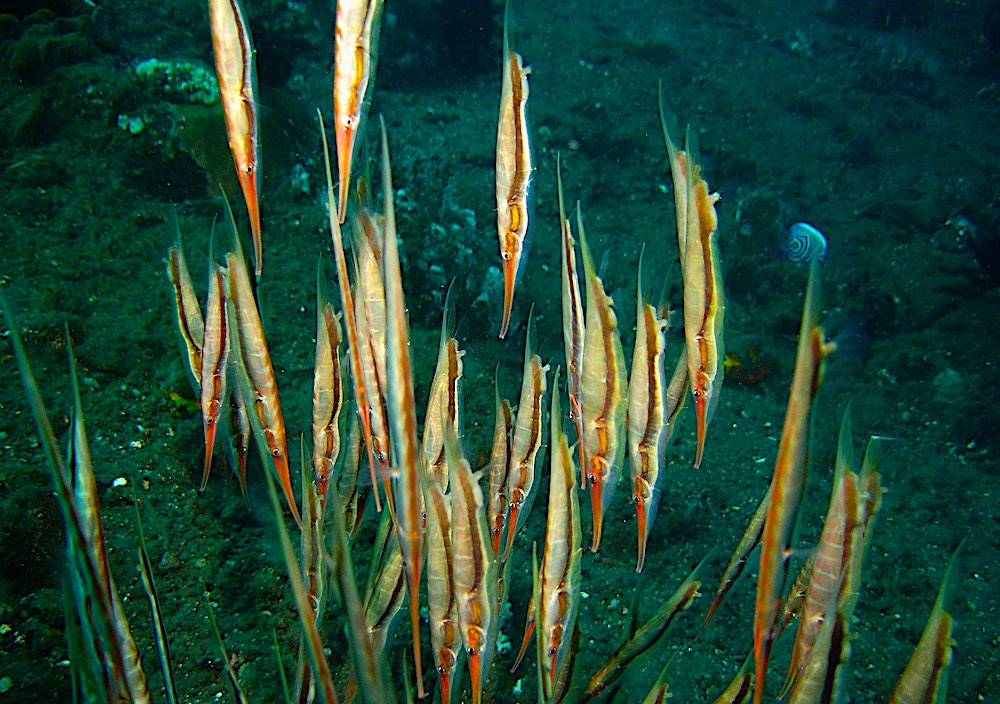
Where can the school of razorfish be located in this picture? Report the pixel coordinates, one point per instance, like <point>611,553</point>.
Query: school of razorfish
<point>447,532</point>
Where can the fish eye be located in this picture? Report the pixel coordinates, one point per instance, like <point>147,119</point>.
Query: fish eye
<point>552,651</point>
<point>250,168</point>
<point>275,452</point>
<point>592,478</point>
<point>507,256</point>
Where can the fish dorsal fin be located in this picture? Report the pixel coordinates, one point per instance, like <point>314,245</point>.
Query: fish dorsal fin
<point>845,447</point>
<point>508,29</point>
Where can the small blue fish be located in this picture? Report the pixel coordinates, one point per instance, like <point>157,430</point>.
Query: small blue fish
<point>804,244</point>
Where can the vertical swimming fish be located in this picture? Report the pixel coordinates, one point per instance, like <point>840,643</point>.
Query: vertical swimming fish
<point>738,560</point>
<point>442,603</point>
<point>701,273</point>
<point>603,398</point>
<point>189,318</point>
<point>250,349</point>
<point>475,567</point>
<point>215,354</point>
<point>98,605</point>
<point>87,513</point>
<point>361,391</point>
<point>499,466</point>
<point>235,68</point>
<point>328,393</point>
<point>644,637</point>
<point>355,57</point>
<point>444,406</point>
<point>788,480</point>
<point>313,569</point>
<point>647,416</point>
<point>822,644</point>
<point>407,494</point>
<point>386,586</point>
<point>559,597</point>
<point>572,321</point>
<point>369,316</point>
<point>239,426</point>
<point>925,679</point>
<point>829,561</point>
<point>348,489</point>
<point>513,168</point>
<point>527,439</point>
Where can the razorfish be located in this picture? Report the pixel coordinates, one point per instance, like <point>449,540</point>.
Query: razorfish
<point>603,397</point>
<point>256,373</point>
<point>442,601</point>
<point>406,490</point>
<point>235,68</point>
<point>189,318</point>
<point>559,596</point>
<point>386,586</point>
<point>572,320</point>
<point>355,56</point>
<point>513,169</point>
<point>499,466</point>
<point>788,480</point>
<point>361,391</point>
<point>818,668</point>
<point>240,428</point>
<point>214,359</point>
<point>701,274</point>
<point>444,405</point>
<point>925,679</point>
<point>827,567</point>
<point>328,394</point>
<point>647,427</point>
<point>474,567</point>
<point>526,441</point>
<point>369,306</point>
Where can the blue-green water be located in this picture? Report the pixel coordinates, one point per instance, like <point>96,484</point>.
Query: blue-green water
<point>876,122</point>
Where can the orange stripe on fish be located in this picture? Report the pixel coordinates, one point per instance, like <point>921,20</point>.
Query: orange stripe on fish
<point>475,566</point>
<point>189,318</point>
<point>215,353</point>
<point>526,441</point>
<point>328,394</point>
<point>701,273</point>
<point>444,401</point>
<point>407,493</point>
<point>369,304</point>
<point>355,56</point>
<point>513,169</point>
<point>572,321</point>
<point>262,387</point>
<point>442,603</point>
<point>499,466</point>
<point>560,573</point>
<point>788,481</point>
<point>646,415</point>
<point>234,66</point>
<point>350,324</point>
<point>925,679</point>
<point>603,397</point>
